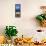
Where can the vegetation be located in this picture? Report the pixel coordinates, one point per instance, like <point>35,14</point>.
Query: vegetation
<point>41,17</point>
<point>11,31</point>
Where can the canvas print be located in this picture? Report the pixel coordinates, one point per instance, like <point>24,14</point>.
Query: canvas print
<point>17,10</point>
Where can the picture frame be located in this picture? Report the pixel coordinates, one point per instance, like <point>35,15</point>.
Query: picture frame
<point>17,10</point>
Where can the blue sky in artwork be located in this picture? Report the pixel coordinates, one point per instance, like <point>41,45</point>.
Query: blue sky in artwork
<point>18,7</point>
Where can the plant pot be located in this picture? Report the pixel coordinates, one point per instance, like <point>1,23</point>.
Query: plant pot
<point>43,23</point>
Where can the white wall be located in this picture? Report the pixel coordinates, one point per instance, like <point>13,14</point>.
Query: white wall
<point>26,24</point>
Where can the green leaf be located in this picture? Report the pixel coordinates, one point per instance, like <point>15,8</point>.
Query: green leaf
<point>10,31</point>
<point>45,16</point>
<point>40,18</point>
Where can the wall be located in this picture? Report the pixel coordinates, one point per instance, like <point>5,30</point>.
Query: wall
<point>26,24</point>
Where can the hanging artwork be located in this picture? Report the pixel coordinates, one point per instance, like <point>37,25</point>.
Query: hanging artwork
<point>17,10</point>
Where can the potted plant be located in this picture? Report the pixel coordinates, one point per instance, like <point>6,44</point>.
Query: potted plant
<point>10,31</point>
<point>42,17</point>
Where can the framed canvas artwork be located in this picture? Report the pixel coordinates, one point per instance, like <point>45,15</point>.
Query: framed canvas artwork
<point>17,10</point>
